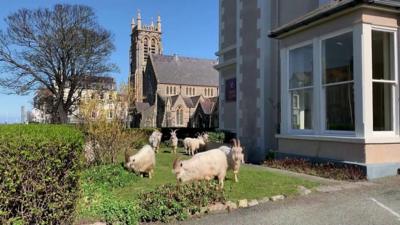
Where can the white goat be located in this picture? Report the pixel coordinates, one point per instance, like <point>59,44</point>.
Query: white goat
<point>155,140</point>
<point>203,166</point>
<point>235,157</point>
<point>191,146</point>
<point>142,162</point>
<point>174,140</point>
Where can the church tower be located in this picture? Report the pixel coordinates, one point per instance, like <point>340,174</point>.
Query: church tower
<point>145,40</point>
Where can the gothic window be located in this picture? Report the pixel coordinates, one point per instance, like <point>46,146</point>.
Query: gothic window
<point>167,90</point>
<point>187,91</point>
<point>205,91</point>
<point>212,92</point>
<point>174,90</point>
<point>179,116</point>
<point>146,48</point>
<point>153,46</point>
<point>194,91</point>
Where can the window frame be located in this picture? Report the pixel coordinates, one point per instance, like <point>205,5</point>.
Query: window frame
<point>394,83</point>
<point>322,85</point>
<point>289,90</point>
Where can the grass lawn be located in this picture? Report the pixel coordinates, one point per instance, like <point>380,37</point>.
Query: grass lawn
<point>104,182</point>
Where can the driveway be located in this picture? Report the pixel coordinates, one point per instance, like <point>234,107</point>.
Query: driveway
<point>377,203</point>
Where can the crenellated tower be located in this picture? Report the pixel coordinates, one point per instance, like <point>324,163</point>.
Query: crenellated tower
<point>145,40</point>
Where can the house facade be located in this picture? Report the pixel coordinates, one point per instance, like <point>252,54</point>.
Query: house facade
<point>322,76</point>
<point>101,89</point>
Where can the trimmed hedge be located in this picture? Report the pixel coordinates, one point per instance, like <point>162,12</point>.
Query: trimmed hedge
<point>39,173</point>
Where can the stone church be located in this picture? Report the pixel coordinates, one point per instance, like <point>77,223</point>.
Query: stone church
<point>170,91</point>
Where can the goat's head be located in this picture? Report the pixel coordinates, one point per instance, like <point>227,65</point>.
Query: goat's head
<point>237,150</point>
<point>205,137</point>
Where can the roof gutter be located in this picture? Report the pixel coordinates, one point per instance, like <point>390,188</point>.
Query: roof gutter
<point>350,4</point>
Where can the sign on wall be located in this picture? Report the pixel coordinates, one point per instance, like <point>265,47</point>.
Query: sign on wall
<point>230,90</point>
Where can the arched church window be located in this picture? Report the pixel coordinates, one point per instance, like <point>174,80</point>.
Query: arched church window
<point>212,92</point>
<point>146,48</point>
<point>167,90</point>
<point>174,90</point>
<point>153,46</point>
<point>179,116</point>
<point>194,91</point>
<point>205,91</point>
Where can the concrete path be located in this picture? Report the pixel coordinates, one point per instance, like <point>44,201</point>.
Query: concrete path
<point>376,203</point>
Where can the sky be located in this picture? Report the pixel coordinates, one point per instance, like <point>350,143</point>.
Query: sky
<point>190,28</point>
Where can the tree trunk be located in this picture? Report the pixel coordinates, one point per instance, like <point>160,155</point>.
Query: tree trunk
<point>63,115</point>
<point>59,112</point>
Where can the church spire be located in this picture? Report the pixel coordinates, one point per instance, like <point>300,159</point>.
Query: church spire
<point>139,20</point>
<point>158,23</point>
<point>133,23</point>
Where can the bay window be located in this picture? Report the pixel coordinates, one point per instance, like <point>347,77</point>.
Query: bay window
<point>301,86</point>
<point>343,84</point>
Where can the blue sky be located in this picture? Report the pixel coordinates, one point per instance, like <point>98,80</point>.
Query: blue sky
<point>190,28</point>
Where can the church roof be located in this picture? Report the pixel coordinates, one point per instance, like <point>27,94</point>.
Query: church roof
<point>142,106</point>
<point>208,105</point>
<point>184,70</point>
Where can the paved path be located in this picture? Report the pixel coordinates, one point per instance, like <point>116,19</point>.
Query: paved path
<point>376,204</point>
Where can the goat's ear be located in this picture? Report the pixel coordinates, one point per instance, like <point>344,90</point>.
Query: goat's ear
<point>176,162</point>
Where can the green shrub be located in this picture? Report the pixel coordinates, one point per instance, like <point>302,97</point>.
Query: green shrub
<point>98,199</point>
<point>108,176</point>
<point>217,137</point>
<point>119,212</point>
<point>170,201</point>
<point>39,174</point>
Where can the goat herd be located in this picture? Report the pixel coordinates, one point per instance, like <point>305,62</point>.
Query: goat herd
<point>206,165</point>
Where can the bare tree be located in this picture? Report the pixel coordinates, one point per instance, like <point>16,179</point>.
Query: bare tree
<point>54,49</point>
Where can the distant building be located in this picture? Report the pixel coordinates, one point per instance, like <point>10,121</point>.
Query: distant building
<point>94,87</point>
<point>170,89</point>
<point>23,115</point>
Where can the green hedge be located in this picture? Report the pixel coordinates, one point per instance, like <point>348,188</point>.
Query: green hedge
<point>39,174</point>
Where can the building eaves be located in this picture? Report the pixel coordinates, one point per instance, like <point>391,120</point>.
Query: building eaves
<point>329,10</point>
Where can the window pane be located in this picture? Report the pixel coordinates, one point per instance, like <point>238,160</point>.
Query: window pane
<point>301,67</point>
<point>382,55</point>
<point>337,62</point>
<point>382,106</point>
<point>340,107</point>
<point>302,109</point>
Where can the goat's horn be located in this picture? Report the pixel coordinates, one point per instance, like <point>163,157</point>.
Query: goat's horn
<point>238,142</point>
<point>234,142</point>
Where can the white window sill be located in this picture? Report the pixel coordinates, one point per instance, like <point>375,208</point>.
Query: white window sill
<point>343,138</point>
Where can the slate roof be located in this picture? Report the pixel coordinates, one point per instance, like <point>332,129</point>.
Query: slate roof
<point>185,70</point>
<point>327,10</point>
<point>142,106</point>
<point>208,105</point>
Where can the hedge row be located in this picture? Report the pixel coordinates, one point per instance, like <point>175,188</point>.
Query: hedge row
<point>39,174</point>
